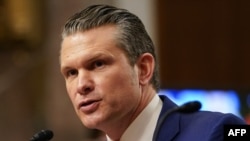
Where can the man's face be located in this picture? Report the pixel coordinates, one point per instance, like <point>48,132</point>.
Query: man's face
<point>102,85</point>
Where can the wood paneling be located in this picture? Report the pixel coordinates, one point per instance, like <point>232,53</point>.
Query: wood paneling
<point>204,44</point>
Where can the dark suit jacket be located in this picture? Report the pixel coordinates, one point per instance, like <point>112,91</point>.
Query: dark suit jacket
<point>198,126</point>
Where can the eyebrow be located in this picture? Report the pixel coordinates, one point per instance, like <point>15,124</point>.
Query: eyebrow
<point>95,56</point>
<point>89,59</point>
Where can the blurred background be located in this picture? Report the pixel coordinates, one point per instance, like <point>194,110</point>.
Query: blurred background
<point>203,49</point>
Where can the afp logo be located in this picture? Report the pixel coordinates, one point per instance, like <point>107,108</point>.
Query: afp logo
<point>237,132</point>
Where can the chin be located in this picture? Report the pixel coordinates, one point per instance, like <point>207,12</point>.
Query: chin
<point>91,122</point>
<point>89,125</point>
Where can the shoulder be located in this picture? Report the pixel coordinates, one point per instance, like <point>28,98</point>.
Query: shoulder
<point>210,117</point>
<point>201,125</point>
<point>206,125</point>
<point>202,116</point>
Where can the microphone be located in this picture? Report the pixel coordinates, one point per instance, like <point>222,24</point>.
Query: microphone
<point>43,135</point>
<point>189,107</point>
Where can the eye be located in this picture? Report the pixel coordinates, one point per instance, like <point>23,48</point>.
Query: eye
<point>98,64</point>
<point>71,73</point>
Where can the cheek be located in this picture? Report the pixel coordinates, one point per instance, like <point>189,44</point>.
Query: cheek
<point>121,87</point>
<point>119,82</point>
<point>70,90</point>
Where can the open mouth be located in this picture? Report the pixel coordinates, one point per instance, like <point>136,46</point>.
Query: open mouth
<point>89,106</point>
<point>86,103</point>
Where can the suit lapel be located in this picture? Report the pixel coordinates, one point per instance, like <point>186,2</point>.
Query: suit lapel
<point>171,125</point>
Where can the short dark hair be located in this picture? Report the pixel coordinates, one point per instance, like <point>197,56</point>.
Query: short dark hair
<point>133,39</point>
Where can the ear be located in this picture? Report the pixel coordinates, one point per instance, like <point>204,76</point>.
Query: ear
<point>145,65</point>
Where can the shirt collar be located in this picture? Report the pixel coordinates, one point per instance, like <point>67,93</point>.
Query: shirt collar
<point>142,128</point>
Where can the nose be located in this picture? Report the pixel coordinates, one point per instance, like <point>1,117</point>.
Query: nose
<point>85,83</point>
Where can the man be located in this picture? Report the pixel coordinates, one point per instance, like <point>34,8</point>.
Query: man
<point>109,65</point>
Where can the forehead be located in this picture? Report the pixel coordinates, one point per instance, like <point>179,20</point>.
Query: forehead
<point>99,39</point>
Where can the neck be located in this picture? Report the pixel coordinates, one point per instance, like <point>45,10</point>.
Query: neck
<point>117,130</point>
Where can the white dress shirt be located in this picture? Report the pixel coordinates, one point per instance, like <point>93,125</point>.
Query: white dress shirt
<point>142,128</point>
